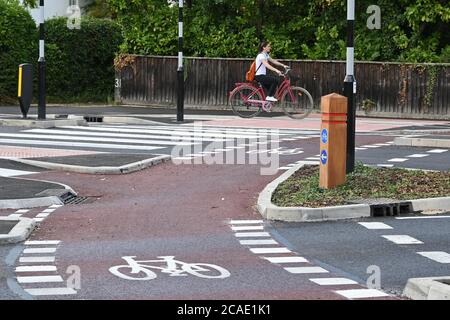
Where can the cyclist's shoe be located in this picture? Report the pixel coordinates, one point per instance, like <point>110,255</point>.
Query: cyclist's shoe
<point>271,99</point>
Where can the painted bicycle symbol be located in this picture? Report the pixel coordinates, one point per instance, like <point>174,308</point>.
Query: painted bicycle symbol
<point>140,269</point>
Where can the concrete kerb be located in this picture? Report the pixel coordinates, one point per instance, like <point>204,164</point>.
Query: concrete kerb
<point>437,288</point>
<point>35,201</point>
<point>422,142</point>
<point>128,168</point>
<point>19,232</point>
<point>304,214</point>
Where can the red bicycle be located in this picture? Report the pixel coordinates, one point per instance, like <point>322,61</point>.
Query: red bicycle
<point>248,100</point>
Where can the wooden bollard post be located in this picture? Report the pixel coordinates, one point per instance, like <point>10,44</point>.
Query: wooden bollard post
<point>333,141</point>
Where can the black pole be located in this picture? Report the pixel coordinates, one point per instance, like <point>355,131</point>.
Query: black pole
<point>350,87</point>
<point>180,70</point>
<point>41,65</point>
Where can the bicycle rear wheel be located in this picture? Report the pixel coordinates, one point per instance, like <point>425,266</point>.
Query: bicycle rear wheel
<point>240,104</point>
<point>297,103</point>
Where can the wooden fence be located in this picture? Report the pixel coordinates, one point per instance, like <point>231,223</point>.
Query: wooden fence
<point>384,89</point>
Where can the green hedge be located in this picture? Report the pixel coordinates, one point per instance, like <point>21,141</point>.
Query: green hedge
<point>17,37</point>
<point>80,63</point>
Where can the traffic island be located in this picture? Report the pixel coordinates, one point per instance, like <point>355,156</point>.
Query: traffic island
<point>296,196</point>
<point>13,230</point>
<point>99,163</point>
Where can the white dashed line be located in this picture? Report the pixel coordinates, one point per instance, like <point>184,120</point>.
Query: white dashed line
<point>313,159</point>
<point>425,217</point>
<point>437,151</point>
<point>35,268</point>
<point>397,160</point>
<point>39,250</point>
<point>15,215</point>
<point>50,291</point>
<point>438,256</point>
<point>48,210</point>
<point>359,148</point>
<point>362,293</point>
<point>39,279</point>
<point>306,270</point>
<point>257,242</point>
<point>418,155</point>
<point>308,162</point>
<point>248,228</point>
<point>375,225</point>
<point>42,215</point>
<point>22,211</point>
<point>286,259</point>
<point>251,234</point>
<point>371,146</point>
<point>333,281</point>
<point>246,221</point>
<point>385,165</point>
<point>269,250</point>
<point>44,243</point>
<point>36,259</point>
<point>402,239</point>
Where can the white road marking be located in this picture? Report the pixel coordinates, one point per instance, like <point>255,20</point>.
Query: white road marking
<point>438,256</point>
<point>36,259</point>
<point>382,144</point>
<point>42,215</point>
<point>56,206</point>
<point>424,217</point>
<point>313,158</point>
<point>397,160</point>
<point>77,144</point>
<point>371,146</point>
<point>39,279</point>
<point>437,151</point>
<point>38,219</point>
<point>22,211</point>
<point>269,250</point>
<point>402,239</point>
<point>286,259</point>
<point>35,268</point>
<point>362,293</point>
<point>248,228</point>
<point>39,250</point>
<point>42,242</point>
<point>246,221</point>
<point>306,162</point>
<point>284,168</point>
<point>333,281</point>
<point>96,139</point>
<point>13,173</point>
<point>48,210</point>
<point>418,155</point>
<point>257,242</point>
<point>169,136</point>
<point>306,270</point>
<point>50,291</point>
<point>15,215</point>
<point>171,132</point>
<point>375,225</point>
<point>359,148</point>
<point>251,234</point>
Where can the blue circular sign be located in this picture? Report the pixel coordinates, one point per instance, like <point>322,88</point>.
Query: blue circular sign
<point>324,157</point>
<point>324,136</point>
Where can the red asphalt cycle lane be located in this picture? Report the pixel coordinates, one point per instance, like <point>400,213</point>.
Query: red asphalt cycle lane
<point>170,210</point>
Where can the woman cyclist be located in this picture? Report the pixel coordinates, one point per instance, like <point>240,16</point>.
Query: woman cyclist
<point>269,83</point>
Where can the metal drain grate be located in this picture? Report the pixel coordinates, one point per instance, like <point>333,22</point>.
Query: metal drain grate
<point>78,200</point>
<point>391,209</point>
<point>93,118</point>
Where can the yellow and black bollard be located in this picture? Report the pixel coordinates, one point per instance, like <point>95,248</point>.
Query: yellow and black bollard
<point>25,87</point>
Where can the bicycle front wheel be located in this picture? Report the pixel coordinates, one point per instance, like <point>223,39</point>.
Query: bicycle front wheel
<point>125,272</point>
<point>297,103</point>
<point>245,101</point>
<point>204,270</point>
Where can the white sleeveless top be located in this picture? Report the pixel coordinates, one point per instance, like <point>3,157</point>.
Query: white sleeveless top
<point>262,68</point>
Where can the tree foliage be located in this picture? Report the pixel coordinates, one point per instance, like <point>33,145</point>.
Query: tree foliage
<point>411,30</point>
